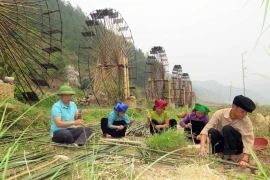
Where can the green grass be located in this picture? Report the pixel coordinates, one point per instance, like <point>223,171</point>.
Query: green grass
<point>4,129</point>
<point>167,141</point>
<point>95,168</point>
<point>262,170</point>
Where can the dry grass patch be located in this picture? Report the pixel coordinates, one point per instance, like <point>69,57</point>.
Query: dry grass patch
<point>184,172</point>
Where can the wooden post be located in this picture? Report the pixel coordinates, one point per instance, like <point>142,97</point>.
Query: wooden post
<point>152,88</point>
<point>184,97</point>
<point>180,86</point>
<point>125,79</point>
<point>169,91</point>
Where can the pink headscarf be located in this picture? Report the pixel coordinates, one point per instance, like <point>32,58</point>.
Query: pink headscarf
<point>160,103</point>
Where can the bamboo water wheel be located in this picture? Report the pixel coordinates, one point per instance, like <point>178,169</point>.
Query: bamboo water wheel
<point>107,62</point>
<point>156,74</point>
<point>30,36</point>
<point>188,95</point>
<point>176,85</point>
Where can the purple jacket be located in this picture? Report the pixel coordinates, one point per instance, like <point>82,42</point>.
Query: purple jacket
<point>192,117</point>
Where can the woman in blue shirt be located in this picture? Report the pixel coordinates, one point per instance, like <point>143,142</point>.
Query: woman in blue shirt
<point>114,125</point>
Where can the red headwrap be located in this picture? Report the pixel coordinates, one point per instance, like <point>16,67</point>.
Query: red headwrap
<point>160,103</point>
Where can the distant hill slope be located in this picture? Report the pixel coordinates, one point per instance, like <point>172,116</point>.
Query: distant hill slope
<point>212,91</point>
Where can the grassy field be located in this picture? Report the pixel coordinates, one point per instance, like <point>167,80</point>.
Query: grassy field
<point>27,151</point>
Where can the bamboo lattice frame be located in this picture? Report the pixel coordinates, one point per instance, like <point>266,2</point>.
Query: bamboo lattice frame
<point>107,56</point>
<point>156,74</point>
<point>30,34</point>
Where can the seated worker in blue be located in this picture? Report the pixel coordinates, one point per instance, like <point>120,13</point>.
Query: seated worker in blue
<point>159,119</point>
<point>64,115</point>
<point>116,123</point>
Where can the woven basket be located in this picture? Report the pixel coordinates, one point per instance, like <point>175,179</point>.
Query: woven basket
<point>6,90</point>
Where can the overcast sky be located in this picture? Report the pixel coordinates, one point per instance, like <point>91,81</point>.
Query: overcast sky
<point>207,37</point>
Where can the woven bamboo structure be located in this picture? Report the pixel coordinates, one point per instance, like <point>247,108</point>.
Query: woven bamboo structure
<point>31,34</point>
<point>107,61</point>
<point>157,81</point>
<point>6,91</point>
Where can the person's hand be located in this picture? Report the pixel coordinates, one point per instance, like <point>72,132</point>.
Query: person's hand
<point>119,128</point>
<point>203,152</point>
<point>188,125</point>
<point>198,137</point>
<point>243,163</point>
<point>148,117</point>
<point>79,114</point>
<point>79,122</point>
<point>157,127</point>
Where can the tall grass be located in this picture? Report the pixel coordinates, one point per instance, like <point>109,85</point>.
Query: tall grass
<point>4,162</point>
<point>117,161</point>
<point>260,166</point>
<point>167,141</point>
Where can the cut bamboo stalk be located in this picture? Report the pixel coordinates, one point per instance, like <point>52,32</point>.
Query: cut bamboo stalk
<point>57,157</point>
<point>122,141</point>
<point>232,163</point>
<point>35,169</point>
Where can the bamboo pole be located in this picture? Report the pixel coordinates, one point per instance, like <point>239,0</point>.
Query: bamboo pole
<point>122,141</point>
<point>37,168</point>
<point>169,91</point>
<point>152,87</point>
<point>128,83</point>
<point>184,97</point>
<point>125,79</point>
<point>232,163</point>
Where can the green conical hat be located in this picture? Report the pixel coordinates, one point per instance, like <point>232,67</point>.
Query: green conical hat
<point>65,90</point>
<point>202,108</point>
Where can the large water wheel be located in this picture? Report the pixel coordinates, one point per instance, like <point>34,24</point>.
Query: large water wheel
<point>107,62</point>
<point>30,35</point>
<point>156,74</point>
<point>188,94</point>
<point>176,86</point>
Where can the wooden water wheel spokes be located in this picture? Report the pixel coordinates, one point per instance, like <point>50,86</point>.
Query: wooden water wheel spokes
<point>156,74</point>
<point>107,56</point>
<point>30,36</point>
<point>176,83</point>
<point>188,93</point>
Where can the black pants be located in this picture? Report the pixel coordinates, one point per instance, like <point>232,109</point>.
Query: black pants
<point>72,135</point>
<point>172,125</point>
<point>197,127</point>
<point>229,141</point>
<point>106,130</point>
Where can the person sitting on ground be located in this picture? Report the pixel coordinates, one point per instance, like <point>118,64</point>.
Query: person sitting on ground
<point>194,122</point>
<point>234,131</point>
<point>64,115</point>
<point>116,123</point>
<point>159,119</point>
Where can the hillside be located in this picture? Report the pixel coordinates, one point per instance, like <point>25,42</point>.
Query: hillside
<point>212,91</point>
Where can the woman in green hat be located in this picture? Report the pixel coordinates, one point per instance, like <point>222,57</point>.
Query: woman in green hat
<point>195,121</point>
<point>63,116</point>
